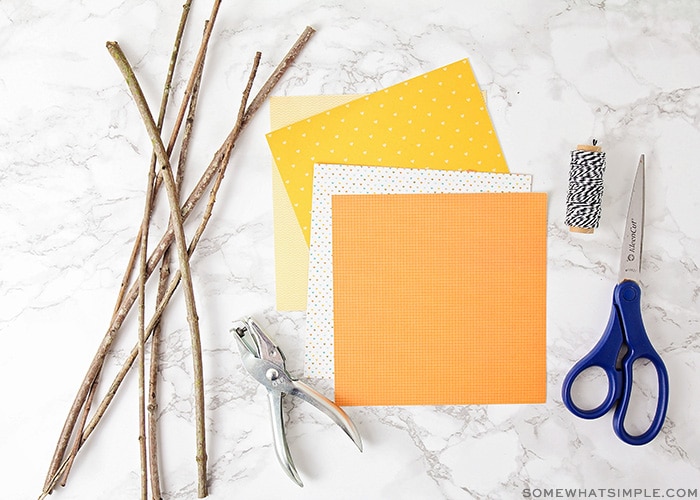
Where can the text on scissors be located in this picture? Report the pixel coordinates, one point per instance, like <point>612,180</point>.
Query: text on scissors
<point>633,240</point>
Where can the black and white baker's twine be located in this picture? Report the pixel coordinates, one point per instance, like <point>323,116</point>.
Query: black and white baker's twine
<point>584,199</point>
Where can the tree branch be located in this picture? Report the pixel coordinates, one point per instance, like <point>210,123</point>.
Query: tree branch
<point>181,246</point>
<point>165,97</point>
<point>222,154</point>
<point>121,309</point>
<point>276,75</point>
<point>162,287</point>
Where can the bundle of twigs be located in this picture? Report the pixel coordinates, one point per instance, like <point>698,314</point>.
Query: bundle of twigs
<point>82,419</point>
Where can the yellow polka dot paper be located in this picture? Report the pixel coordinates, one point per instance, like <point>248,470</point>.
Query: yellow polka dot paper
<point>332,180</point>
<point>437,120</point>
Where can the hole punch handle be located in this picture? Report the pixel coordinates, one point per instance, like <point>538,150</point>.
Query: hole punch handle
<point>279,437</point>
<point>334,412</point>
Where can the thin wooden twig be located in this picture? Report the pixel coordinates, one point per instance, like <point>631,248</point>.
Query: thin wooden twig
<point>165,97</point>
<point>224,163</point>
<point>126,278</point>
<point>199,61</point>
<point>152,407</point>
<point>175,281</point>
<point>146,440</point>
<point>120,311</point>
<point>81,425</point>
<point>142,337</point>
<point>281,68</point>
<point>143,254</point>
<point>187,133</point>
<point>162,287</point>
<point>184,263</point>
<point>224,151</point>
<point>135,251</point>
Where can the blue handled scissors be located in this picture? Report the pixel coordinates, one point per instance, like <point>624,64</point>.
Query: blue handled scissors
<point>624,340</point>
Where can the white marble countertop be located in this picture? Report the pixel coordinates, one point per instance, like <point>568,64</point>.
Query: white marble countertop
<point>73,157</point>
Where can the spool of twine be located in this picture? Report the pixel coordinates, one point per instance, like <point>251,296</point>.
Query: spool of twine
<point>585,195</point>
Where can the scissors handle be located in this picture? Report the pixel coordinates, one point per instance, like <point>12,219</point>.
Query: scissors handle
<point>603,355</point>
<point>627,296</point>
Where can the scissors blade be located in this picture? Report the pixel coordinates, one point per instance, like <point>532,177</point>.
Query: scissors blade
<point>631,255</point>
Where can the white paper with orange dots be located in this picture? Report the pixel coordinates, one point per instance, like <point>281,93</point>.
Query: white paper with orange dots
<point>331,180</point>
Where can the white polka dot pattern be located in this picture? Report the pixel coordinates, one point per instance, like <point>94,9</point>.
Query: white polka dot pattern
<point>436,120</point>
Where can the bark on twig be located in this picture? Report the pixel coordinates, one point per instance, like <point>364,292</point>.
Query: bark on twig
<point>152,407</point>
<point>165,97</point>
<point>222,170</point>
<point>199,61</point>
<point>175,281</point>
<point>164,276</point>
<point>143,253</point>
<point>81,425</point>
<point>183,259</point>
<point>120,312</point>
<point>59,464</point>
<point>276,75</point>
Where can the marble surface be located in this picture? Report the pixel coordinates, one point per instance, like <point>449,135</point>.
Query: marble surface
<point>73,157</point>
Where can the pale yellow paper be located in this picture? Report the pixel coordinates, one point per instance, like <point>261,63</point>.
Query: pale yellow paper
<point>291,250</point>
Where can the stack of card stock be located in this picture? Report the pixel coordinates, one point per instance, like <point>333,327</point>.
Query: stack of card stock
<point>420,260</point>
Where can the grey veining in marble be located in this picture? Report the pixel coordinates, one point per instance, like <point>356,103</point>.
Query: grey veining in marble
<point>73,157</point>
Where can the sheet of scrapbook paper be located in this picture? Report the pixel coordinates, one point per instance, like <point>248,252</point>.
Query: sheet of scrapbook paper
<point>291,250</point>
<point>330,180</point>
<point>439,298</point>
<point>437,120</point>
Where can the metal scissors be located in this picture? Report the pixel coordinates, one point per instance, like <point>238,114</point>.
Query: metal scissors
<point>624,340</point>
<point>266,363</point>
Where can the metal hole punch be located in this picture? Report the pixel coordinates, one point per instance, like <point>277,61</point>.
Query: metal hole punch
<point>266,363</point>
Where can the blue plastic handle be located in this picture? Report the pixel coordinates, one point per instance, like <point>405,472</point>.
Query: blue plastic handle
<point>627,296</point>
<point>603,355</point>
<point>625,326</point>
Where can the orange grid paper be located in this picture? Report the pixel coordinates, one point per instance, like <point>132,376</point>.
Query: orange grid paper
<point>440,298</point>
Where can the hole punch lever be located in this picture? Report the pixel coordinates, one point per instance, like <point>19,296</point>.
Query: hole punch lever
<point>265,362</point>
